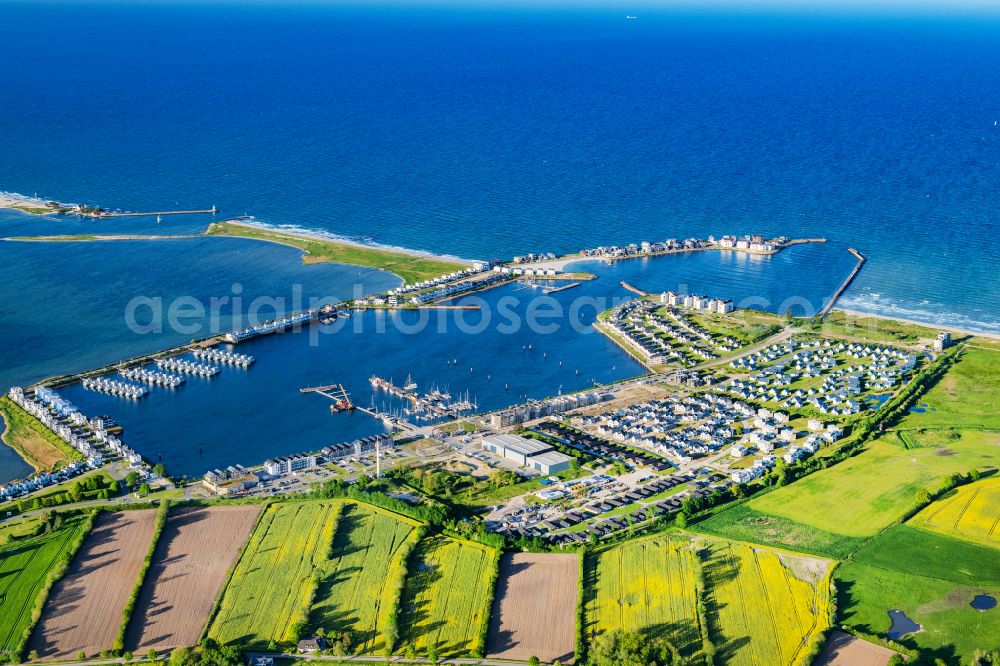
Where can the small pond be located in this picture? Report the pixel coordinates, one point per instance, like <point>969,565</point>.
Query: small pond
<point>984,602</point>
<point>878,400</point>
<point>901,625</point>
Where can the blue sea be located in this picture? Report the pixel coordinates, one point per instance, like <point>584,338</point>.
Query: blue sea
<point>480,132</point>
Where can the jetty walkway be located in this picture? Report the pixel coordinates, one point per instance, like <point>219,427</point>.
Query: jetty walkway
<point>106,213</point>
<point>845,284</point>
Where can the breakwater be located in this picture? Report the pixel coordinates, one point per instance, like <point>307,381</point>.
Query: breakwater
<point>845,284</point>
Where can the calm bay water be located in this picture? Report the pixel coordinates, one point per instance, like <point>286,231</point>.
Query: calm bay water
<point>499,355</point>
<point>481,133</point>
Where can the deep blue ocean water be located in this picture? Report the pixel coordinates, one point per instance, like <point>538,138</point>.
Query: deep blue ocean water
<point>483,133</point>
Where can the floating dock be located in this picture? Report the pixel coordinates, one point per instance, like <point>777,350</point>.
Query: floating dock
<point>153,377</point>
<point>185,367</point>
<point>223,357</point>
<point>336,392</point>
<point>115,388</point>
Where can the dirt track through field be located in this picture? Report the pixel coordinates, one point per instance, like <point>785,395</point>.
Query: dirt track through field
<point>195,551</point>
<point>84,609</point>
<point>534,610</point>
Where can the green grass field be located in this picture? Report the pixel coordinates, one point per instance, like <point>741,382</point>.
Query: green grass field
<point>747,326</point>
<point>763,608</point>
<point>971,512</point>
<point>743,523</point>
<point>950,626</point>
<point>25,563</point>
<point>965,398</point>
<point>875,329</point>
<point>358,594</point>
<point>647,586</point>
<point>922,553</point>
<point>865,494</point>
<point>446,602</point>
<point>271,582</point>
<point>932,578</point>
<point>411,267</point>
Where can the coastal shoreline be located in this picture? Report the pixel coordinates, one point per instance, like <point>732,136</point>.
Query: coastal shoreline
<point>917,322</point>
<point>329,237</point>
<point>27,205</point>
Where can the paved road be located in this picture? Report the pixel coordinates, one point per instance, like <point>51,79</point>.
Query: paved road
<point>386,660</point>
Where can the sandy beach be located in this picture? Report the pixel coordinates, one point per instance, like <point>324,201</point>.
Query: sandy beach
<point>902,320</point>
<point>20,202</point>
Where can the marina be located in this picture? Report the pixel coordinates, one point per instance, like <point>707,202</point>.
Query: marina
<point>435,404</point>
<point>480,371</point>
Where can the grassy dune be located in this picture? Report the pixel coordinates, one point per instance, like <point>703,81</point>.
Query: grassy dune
<point>412,268</point>
<point>965,398</point>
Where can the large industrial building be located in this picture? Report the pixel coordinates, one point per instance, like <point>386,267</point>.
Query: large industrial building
<point>529,453</point>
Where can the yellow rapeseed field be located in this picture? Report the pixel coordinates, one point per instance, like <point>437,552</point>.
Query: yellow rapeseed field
<point>359,592</point>
<point>759,611</point>
<point>647,586</point>
<point>270,583</point>
<point>971,512</point>
<point>446,603</point>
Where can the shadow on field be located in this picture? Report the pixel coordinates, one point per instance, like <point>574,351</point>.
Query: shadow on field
<point>718,570</point>
<point>350,523</point>
<point>415,615</point>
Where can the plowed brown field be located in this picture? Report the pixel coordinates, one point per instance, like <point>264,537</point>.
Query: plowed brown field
<point>84,609</point>
<point>196,549</point>
<point>534,610</point>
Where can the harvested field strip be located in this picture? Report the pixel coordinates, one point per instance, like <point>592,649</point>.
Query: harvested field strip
<point>196,550</point>
<point>971,512</point>
<point>646,586</point>
<point>759,612</point>
<point>25,567</point>
<point>446,601</point>
<point>268,587</point>
<point>358,594</point>
<point>535,607</point>
<point>84,610</point>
